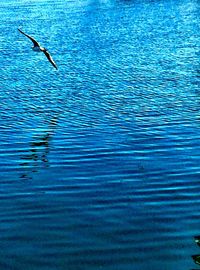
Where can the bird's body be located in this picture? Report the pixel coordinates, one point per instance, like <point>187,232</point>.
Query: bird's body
<point>37,48</point>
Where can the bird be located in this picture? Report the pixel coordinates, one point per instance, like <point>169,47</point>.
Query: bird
<point>36,47</point>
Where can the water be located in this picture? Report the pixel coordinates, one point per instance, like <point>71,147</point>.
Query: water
<point>99,161</point>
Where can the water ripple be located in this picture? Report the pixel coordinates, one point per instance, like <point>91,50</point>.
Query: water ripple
<point>99,161</point>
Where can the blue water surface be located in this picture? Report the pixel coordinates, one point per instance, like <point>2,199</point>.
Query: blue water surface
<point>100,159</point>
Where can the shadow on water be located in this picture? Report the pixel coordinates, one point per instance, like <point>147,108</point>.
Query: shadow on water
<point>37,154</point>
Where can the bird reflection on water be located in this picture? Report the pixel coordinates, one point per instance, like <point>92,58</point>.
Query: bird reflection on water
<point>37,156</point>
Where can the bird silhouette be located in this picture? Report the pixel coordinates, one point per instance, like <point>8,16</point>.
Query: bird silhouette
<point>36,47</point>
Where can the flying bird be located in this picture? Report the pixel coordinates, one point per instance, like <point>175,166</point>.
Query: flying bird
<point>36,47</point>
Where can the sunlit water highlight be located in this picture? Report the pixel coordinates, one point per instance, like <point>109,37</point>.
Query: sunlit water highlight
<point>99,161</point>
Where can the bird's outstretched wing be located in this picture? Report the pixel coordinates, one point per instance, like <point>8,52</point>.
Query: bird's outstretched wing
<point>49,57</point>
<point>35,43</point>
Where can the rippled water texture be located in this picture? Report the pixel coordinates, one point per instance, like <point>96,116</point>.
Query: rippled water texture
<point>100,160</point>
